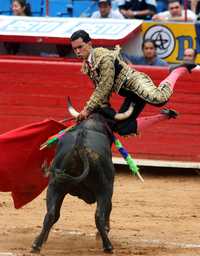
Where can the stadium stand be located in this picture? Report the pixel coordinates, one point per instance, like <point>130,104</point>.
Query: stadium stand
<point>56,8</point>
<point>5,7</point>
<point>84,8</point>
<point>60,8</point>
<point>72,8</point>
<point>37,7</point>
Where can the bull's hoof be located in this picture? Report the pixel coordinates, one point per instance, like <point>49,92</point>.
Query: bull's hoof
<point>108,249</point>
<point>35,249</point>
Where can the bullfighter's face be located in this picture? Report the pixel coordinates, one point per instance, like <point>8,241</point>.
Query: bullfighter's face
<point>81,48</point>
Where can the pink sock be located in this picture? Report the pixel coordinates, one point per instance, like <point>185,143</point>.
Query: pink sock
<point>144,122</point>
<point>174,75</point>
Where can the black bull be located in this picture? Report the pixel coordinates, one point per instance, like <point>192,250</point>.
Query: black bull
<point>82,167</point>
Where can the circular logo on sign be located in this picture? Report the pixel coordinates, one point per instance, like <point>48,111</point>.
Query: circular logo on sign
<point>163,38</point>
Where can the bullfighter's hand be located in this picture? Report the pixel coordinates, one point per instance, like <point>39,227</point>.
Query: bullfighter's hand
<point>83,115</point>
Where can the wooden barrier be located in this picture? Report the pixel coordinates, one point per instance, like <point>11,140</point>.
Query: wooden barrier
<point>34,89</point>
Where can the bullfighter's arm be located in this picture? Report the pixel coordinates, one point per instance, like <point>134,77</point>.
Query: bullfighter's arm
<point>103,90</point>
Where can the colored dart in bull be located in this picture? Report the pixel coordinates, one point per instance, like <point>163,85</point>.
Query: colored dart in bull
<point>131,163</point>
<point>54,139</point>
<point>51,140</point>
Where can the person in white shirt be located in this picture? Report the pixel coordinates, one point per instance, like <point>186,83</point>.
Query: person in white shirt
<point>175,13</point>
<point>106,11</point>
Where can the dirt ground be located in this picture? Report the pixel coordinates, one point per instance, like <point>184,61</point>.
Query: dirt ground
<point>158,217</point>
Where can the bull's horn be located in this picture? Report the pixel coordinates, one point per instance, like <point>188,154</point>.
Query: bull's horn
<point>118,116</point>
<point>71,109</point>
<point>126,114</point>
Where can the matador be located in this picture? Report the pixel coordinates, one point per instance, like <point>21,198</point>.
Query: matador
<point>110,73</point>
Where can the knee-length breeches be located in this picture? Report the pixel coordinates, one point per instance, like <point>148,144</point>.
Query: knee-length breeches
<point>142,85</point>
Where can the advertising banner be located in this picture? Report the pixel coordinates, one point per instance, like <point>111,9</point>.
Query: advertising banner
<point>59,30</point>
<point>172,38</point>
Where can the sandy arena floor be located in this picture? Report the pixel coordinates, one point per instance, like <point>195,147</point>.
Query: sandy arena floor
<point>157,218</point>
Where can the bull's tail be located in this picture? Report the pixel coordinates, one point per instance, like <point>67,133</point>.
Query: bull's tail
<point>61,175</point>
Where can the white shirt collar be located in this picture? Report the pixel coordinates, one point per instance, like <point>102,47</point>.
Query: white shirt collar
<point>89,59</point>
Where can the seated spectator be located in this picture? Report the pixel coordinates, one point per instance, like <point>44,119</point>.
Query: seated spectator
<point>106,11</point>
<point>149,55</point>
<point>138,9</point>
<point>189,55</point>
<point>19,8</point>
<point>175,13</point>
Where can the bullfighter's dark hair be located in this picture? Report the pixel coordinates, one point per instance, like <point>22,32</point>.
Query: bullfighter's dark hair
<point>80,34</point>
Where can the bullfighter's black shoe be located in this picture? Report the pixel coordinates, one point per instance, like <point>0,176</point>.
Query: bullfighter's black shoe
<point>189,66</point>
<point>170,113</point>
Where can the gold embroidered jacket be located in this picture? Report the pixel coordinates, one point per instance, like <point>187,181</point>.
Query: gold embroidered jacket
<point>102,73</point>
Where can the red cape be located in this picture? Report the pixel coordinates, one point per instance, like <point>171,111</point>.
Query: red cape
<point>21,160</point>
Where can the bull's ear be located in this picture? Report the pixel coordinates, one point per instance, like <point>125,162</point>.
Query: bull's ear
<point>71,109</point>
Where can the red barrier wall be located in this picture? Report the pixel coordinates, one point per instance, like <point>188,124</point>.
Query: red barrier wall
<point>34,89</point>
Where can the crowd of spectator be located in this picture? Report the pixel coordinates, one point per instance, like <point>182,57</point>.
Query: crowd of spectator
<point>156,10</point>
<point>160,10</point>
<point>149,55</point>
<point>175,12</point>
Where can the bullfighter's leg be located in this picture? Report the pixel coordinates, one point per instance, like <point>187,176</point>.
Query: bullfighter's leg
<point>135,124</point>
<point>104,206</point>
<point>54,202</point>
<point>142,85</point>
<point>147,121</point>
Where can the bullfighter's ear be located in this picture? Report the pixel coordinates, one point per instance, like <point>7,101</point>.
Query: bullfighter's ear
<point>71,109</point>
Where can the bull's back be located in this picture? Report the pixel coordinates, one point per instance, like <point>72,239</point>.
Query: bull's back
<point>77,145</point>
<point>90,134</point>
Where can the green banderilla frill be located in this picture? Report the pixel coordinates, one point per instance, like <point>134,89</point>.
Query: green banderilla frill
<point>129,160</point>
<point>54,139</point>
<point>131,163</point>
